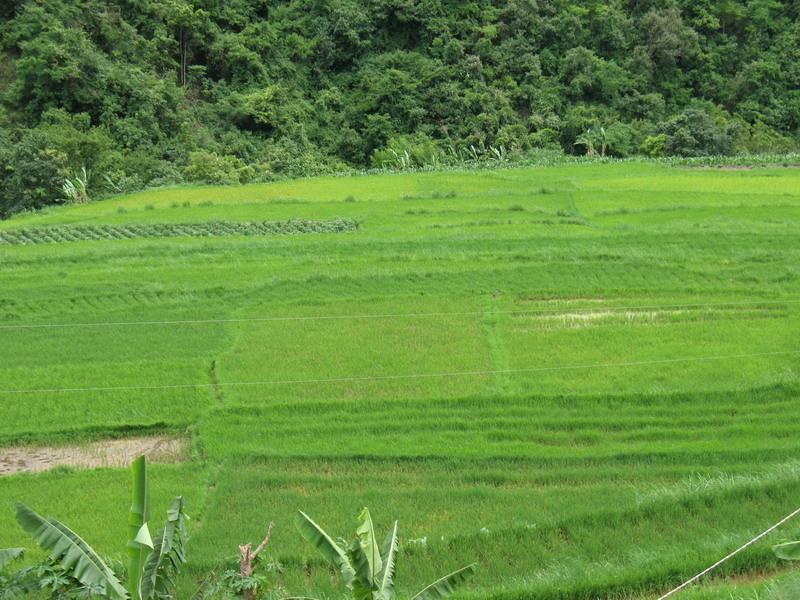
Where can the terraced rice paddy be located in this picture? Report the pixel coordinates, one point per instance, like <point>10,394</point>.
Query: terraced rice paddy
<point>585,378</point>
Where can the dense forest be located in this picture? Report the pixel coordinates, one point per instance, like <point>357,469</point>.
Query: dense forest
<point>153,92</point>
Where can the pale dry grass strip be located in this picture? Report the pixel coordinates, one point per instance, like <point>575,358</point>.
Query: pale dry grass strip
<point>104,453</point>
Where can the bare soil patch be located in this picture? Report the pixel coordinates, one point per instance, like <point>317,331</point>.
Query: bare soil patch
<point>104,453</point>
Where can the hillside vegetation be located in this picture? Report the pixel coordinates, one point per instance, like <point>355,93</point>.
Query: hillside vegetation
<point>152,92</point>
<point>585,377</point>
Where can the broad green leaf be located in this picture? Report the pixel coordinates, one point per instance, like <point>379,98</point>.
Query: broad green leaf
<point>386,585</point>
<point>362,585</point>
<point>787,551</point>
<point>9,555</point>
<point>446,585</point>
<point>73,554</point>
<point>138,534</point>
<point>315,535</point>
<point>369,544</point>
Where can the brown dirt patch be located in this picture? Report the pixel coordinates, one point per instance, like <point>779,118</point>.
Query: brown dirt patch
<point>105,453</point>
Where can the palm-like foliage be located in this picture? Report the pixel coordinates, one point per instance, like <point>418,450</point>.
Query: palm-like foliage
<point>591,139</point>
<point>329,549</point>
<point>76,190</point>
<point>70,551</point>
<point>151,566</point>
<point>367,569</point>
<point>12,585</point>
<point>168,556</point>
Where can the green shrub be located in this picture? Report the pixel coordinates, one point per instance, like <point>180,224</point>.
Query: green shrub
<point>210,167</point>
<point>761,139</point>
<point>654,146</point>
<point>406,151</point>
<point>695,132</point>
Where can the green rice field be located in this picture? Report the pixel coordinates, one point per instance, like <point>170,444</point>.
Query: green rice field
<point>585,378</point>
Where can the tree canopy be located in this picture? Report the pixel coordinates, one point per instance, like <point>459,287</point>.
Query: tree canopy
<point>143,92</point>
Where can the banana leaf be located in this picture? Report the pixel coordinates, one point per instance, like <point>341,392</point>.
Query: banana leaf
<point>316,536</point>
<point>445,586</point>
<point>140,543</point>
<point>368,562</point>
<point>386,583</point>
<point>787,551</point>
<point>168,556</point>
<point>74,555</point>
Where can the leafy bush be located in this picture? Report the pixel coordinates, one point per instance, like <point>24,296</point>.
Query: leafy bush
<point>34,174</point>
<point>408,151</point>
<point>210,167</point>
<point>758,138</point>
<point>654,145</point>
<point>694,132</point>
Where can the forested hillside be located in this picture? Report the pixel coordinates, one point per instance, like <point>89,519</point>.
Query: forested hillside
<point>148,92</point>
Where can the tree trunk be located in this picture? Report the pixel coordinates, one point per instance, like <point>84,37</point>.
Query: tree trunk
<point>184,51</point>
<point>247,559</point>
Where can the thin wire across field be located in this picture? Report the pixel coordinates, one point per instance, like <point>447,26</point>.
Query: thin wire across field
<point>476,373</point>
<point>729,556</point>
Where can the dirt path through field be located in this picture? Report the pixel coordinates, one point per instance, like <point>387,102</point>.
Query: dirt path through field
<point>106,453</point>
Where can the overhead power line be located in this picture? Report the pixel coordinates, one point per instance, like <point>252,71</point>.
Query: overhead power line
<point>764,533</point>
<point>410,315</point>
<point>358,378</point>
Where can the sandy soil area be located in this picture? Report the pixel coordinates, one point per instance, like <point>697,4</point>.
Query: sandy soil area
<point>106,453</point>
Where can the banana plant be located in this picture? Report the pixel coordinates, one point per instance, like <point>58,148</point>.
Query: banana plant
<point>368,570</point>
<point>151,566</point>
<point>14,584</point>
<point>140,543</point>
<point>71,552</point>
<point>168,555</point>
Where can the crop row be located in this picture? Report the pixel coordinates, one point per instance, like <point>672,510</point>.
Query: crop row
<point>74,233</point>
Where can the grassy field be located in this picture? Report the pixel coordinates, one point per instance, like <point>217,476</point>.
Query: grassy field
<point>584,378</point>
